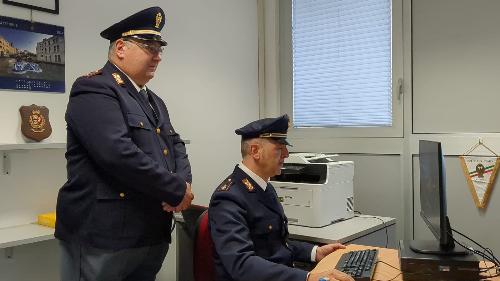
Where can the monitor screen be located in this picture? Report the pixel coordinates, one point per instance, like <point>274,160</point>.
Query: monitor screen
<point>433,202</point>
<point>432,189</point>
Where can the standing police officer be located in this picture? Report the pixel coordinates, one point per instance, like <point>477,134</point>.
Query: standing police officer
<point>247,223</point>
<point>127,166</point>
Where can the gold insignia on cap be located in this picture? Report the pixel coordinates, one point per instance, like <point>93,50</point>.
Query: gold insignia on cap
<point>141,31</point>
<point>158,20</point>
<point>272,135</point>
<point>118,79</point>
<point>248,184</point>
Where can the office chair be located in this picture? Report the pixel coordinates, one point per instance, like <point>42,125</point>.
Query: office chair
<point>203,260</point>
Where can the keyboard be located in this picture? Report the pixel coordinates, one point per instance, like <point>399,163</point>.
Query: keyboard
<point>359,264</point>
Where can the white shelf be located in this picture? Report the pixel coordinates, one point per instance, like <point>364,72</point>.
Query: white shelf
<point>35,145</point>
<point>24,234</point>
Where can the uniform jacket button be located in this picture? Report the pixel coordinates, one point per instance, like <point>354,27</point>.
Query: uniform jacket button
<point>158,130</point>
<point>122,195</point>
<point>165,152</point>
<point>270,227</point>
<point>141,124</point>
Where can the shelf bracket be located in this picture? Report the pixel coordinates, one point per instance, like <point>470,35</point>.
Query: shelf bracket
<point>5,163</point>
<point>9,252</point>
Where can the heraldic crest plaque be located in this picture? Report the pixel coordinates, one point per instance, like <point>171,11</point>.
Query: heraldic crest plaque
<point>35,122</point>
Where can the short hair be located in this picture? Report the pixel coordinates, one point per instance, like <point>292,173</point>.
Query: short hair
<point>112,48</point>
<point>245,148</point>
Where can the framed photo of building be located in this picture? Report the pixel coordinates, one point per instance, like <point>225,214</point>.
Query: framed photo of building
<point>49,6</point>
<point>31,56</point>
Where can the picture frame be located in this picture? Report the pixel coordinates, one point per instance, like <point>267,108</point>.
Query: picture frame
<point>48,6</point>
<point>32,56</point>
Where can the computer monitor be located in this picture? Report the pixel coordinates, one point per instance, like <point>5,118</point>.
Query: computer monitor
<point>433,202</point>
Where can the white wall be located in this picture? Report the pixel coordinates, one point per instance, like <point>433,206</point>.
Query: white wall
<point>452,56</point>
<point>208,79</point>
<point>455,101</point>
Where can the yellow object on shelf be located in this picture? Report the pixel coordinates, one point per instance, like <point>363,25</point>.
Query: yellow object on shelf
<point>48,219</point>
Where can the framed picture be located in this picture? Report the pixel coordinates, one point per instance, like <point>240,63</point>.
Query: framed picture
<point>31,56</point>
<point>49,6</point>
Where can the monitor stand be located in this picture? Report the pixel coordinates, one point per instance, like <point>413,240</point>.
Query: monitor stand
<point>433,247</point>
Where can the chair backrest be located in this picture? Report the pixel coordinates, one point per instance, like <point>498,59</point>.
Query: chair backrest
<point>203,260</point>
<point>191,216</point>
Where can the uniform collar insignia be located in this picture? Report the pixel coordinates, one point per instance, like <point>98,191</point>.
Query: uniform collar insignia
<point>118,79</point>
<point>248,184</point>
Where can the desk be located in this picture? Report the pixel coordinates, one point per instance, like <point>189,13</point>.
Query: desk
<point>361,229</point>
<point>382,271</point>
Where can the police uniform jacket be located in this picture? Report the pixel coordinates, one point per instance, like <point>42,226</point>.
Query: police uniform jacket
<point>250,234</point>
<point>123,160</point>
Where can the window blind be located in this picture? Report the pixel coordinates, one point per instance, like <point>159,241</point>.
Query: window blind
<point>341,63</point>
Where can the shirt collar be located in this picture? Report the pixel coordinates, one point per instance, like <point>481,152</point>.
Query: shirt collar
<point>262,183</point>
<point>132,81</point>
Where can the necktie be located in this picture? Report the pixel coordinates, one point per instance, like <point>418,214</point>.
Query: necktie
<point>270,193</point>
<point>146,99</point>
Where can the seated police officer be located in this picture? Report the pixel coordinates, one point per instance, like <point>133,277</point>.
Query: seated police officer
<point>127,166</point>
<point>247,223</point>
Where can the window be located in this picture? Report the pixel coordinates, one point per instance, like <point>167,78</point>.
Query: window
<point>343,66</point>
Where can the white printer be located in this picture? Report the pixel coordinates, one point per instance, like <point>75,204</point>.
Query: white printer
<point>315,190</point>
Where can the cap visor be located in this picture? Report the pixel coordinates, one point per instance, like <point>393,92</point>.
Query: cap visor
<point>283,141</point>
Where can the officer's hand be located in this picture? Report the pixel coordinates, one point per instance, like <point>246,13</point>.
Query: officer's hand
<point>333,274</point>
<point>325,250</point>
<point>166,207</point>
<point>186,201</point>
<point>184,204</point>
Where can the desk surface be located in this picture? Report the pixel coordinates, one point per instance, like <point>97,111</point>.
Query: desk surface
<point>343,231</point>
<point>382,271</point>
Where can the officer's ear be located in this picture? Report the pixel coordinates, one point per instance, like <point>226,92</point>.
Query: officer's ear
<point>255,148</point>
<point>120,46</point>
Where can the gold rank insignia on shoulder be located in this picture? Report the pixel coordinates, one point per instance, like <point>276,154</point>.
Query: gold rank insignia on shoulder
<point>118,79</point>
<point>93,73</point>
<point>248,184</point>
<point>225,185</point>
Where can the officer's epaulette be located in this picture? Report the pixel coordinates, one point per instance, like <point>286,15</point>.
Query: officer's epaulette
<point>93,73</point>
<point>248,185</point>
<point>226,184</point>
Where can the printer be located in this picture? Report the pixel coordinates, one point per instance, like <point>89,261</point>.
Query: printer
<point>315,190</point>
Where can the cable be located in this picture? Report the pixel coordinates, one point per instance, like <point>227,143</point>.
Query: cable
<point>333,222</point>
<point>491,257</point>
<point>389,265</point>
<point>486,254</point>
<point>422,273</point>
<point>496,261</point>
<point>383,223</point>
